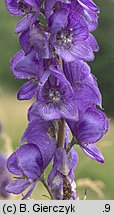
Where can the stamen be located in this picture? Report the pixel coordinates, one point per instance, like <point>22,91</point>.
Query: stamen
<point>64,38</point>
<point>54,95</point>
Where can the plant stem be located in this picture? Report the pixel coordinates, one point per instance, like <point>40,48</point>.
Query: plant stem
<point>73,142</point>
<point>44,182</point>
<point>61,133</point>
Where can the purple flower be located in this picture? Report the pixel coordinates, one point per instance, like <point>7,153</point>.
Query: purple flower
<point>27,164</point>
<point>86,8</point>
<point>49,7</point>
<point>89,4</point>
<point>26,67</point>
<point>55,97</point>
<point>91,127</point>
<point>42,134</point>
<point>26,22</point>
<point>89,15</point>
<point>86,91</point>
<point>30,8</point>
<point>70,36</point>
<point>20,7</point>
<point>61,177</point>
<point>37,38</point>
<point>91,19</point>
<point>29,161</point>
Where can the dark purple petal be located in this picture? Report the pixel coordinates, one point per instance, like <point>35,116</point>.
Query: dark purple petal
<point>26,160</point>
<point>25,40</point>
<point>17,186</point>
<point>66,55</point>
<point>43,80</point>
<point>60,161</point>
<point>33,3</point>
<point>61,177</point>
<point>39,40</point>
<point>76,7</point>
<point>29,191</point>
<point>69,111</point>
<point>86,91</point>
<point>55,101</point>
<point>91,19</point>
<point>92,126</point>
<point>79,27</point>
<point>48,111</point>
<point>24,66</point>
<point>15,60</point>
<point>30,160</point>
<point>55,179</point>
<point>93,43</point>
<point>49,7</point>
<point>76,72</point>
<point>72,159</point>
<point>27,91</point>
<point>58,20</point>
<point>13,164</point>
<point>12,7</point>
<point>89,4</point>
<point>55,182</point>
<point>93,152</point>
<point>64,85</point>
<point>42,134</point>
<point>82,51</point>
<point>25,22</point>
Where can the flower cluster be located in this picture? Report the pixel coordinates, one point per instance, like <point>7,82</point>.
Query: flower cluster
<point>56,41</point>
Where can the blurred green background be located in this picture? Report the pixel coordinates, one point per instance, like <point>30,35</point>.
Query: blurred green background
<point>13,113</point>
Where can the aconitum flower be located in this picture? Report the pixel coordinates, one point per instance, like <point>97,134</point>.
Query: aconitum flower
<point>29,161</point>
<point>29,8</point>
<point>91,127</point>
<point>49,7</point>
<point>60,178</point>
<point>55,97</point>
<point>27,164</point>
<point>20,7</point>
<point>70,36</point>
<point>48,82</point>
<point>86,91</point>
<point>26,67</point>
<point>87,9</point>
<point>42,134</point>
<point>37,38</point>
<point>88,13</point>
<point>89,4</point>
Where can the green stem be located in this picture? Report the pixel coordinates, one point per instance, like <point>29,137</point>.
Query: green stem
<point>44,182</point>
<point>73,142</point>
